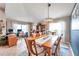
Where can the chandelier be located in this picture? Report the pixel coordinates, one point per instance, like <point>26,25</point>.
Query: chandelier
<point>48,19</point>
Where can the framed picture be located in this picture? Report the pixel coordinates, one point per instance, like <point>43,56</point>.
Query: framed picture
<point>2,25</point>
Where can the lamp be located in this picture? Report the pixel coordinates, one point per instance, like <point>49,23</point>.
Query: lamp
<point>48,19</point>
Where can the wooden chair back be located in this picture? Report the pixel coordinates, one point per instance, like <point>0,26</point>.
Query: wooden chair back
<point>55,53</point>
<point>30,47</point>
<point>33,35</point>
<point>37,34</point>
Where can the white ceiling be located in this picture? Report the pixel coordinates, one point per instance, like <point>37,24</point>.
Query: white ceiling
<point>34,12</point>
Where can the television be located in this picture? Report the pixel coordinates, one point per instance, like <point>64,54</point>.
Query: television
<point>10,30</point>
<point>19,30</point>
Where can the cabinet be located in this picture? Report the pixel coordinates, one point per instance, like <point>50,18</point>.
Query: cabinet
<point>12,40</point>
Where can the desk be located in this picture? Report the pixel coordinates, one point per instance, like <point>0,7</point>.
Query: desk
<point>46,41</point>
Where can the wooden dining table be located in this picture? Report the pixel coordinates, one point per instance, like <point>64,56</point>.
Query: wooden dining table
<point>46,41</point>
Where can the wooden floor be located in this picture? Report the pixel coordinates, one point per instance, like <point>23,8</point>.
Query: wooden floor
<point>21,50</point>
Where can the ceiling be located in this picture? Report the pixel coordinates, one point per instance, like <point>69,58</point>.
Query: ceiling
<point>35,12</point>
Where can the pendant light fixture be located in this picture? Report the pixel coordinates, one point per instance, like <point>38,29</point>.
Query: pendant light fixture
<point>48,19</point>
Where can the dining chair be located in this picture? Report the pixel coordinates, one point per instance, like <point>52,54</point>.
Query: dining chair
<point>33,35</point>
<point>56,47</point>
<point>32,49</point>
<point>37,34</point>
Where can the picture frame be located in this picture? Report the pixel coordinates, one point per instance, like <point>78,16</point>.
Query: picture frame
<point>2,25</point>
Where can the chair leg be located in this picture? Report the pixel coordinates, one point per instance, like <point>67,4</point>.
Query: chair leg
<point>36,54</point>
<point>45,54</point>
<point>53,54</point>
<point>29,54</point>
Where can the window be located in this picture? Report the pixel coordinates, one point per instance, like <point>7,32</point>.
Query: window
<point>58,27</point>
<point>16,27</point>
<point>75,24</point>
<point>24,28</point>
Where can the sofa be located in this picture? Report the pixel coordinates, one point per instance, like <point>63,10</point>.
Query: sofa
<point>3,40</point>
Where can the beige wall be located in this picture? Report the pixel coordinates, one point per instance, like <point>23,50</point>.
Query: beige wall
<point>2,14</point>
<point>67,27</point>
